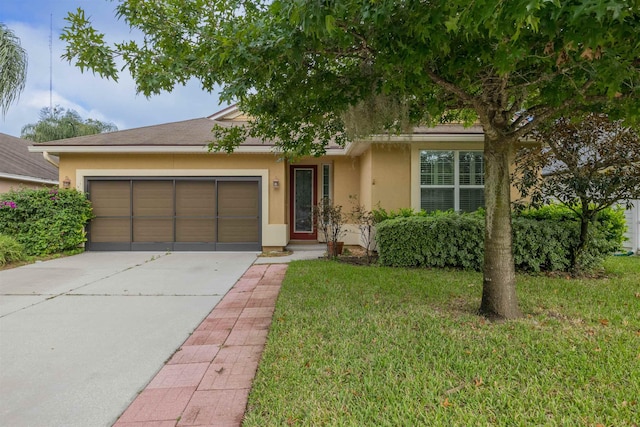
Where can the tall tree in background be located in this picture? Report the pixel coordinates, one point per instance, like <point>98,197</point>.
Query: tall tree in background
<point>588,163</point>
<point>13,68</point>
<point>60,123</point>
<point>299,67</point>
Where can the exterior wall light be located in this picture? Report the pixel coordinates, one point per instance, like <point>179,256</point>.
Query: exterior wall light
<point>66,183</point>
<point>276,183</point>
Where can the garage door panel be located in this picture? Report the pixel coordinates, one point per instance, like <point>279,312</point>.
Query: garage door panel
<point>111,230</point>
<point>153,198</point>
<point>152,230</point>
<point>195,230</point>
<point>238,198</point>
<point>195,198</point>
<point>233,230</point>
<point>111,198</point>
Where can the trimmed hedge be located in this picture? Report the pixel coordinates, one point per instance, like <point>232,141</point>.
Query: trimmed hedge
<point>431,241</point>
<point>457,240</point>
<point>45,221</point>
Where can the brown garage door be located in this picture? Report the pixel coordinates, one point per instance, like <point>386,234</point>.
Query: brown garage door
<point>175,214</point>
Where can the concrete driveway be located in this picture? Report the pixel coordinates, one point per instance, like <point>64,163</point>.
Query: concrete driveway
<point>81,336</point>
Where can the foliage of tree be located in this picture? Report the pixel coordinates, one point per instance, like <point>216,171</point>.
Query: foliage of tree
<point>299,67</point>
<point>58,123</point>
<point>588,164</point>
<point>13,68</point>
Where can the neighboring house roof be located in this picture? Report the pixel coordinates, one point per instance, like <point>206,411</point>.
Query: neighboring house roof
<point>194,135</point>
<point>17,163</point>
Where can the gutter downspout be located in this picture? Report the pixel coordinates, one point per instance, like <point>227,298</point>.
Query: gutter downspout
<point>50,159</point>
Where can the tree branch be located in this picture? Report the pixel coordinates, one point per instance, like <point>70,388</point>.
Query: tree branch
<point>450,87</point>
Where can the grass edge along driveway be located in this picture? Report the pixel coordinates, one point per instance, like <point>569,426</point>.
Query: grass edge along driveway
<point>388,347</point>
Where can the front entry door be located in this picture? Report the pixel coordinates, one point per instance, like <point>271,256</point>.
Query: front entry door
<point>302,200</point>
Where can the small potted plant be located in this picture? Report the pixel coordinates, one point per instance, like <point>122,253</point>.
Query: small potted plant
<point>330,220</point>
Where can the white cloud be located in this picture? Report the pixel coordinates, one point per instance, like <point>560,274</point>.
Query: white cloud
<point>89,95</point>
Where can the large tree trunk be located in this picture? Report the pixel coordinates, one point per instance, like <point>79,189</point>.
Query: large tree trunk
<point>585,221</point>
<point>499,285</point>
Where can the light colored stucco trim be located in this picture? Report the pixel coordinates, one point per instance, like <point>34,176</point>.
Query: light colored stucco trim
<point>50,159</point>
<point>168,149</point>
<point>272,234</point>
<point>435,137</point>
<point>160,149</point>
<point>28,179</point>
<point>415,178</point>
<point>351,149</point>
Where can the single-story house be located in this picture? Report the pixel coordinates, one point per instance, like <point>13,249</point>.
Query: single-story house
<point>159,188</point>
<point>21,169</point>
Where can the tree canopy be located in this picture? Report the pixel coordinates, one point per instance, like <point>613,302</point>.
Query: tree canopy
<point>58,123</point>
<point>586,162</point>
<point>299,68</point>
<point>13,68</point>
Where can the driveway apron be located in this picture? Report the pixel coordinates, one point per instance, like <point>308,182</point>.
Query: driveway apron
<point>81,336</point>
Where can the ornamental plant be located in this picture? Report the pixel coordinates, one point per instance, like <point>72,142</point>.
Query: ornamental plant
<point>330,221</point>
<point>45,221</point>
<point>10,250</point>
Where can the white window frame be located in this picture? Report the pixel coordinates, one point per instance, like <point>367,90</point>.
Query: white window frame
<point>456,177</point>
<point>326,171</point>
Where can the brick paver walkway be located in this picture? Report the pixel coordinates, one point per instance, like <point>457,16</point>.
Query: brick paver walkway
<point>207,381</point>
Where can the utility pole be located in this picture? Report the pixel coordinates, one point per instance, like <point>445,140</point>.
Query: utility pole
<point>51,64</point>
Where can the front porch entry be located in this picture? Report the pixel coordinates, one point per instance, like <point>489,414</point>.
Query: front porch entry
<point>302,198</point>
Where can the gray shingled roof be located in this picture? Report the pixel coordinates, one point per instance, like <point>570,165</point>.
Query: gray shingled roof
<point>15,159</point>
<point>195,132</point>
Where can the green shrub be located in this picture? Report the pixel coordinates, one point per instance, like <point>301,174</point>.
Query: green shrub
<point>45,221</point>
<point>543,240</point>
<point>445,240</point>
<point>543,245</point>
<point>10,250</point>
<point>610,221</point>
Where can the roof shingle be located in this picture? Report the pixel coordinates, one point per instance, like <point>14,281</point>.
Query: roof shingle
<point>15,159</point>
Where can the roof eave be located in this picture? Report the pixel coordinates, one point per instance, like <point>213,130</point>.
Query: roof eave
<point>166,149</point>
<point>25,178</point>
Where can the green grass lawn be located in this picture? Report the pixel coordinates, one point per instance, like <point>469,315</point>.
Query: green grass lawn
<point>373,346</point>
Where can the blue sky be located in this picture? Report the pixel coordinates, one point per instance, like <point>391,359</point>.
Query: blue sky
<point>89,95</point>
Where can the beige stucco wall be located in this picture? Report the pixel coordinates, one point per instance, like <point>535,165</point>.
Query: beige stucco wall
<point>366,179</point>
<point>346,179</point>
<point>391,176</point>
<point>7,185</point>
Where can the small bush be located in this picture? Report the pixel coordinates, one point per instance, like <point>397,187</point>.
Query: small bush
<point>10,250</point>
<point>45,221</point>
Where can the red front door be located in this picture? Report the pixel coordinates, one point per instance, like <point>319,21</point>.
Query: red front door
<point>303,198</point>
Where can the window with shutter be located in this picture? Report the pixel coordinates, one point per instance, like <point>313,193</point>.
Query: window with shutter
<point>451,180</point>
